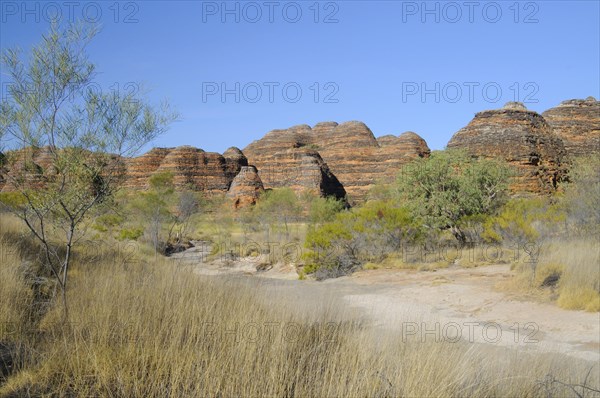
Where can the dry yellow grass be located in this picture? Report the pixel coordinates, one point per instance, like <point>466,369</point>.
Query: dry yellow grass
<point>16,297</point>
<point>141,327</point>
<point>442,257</point>
<point>579,264</point>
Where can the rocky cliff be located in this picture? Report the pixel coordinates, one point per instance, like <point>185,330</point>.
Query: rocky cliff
<point>299,168</point>
<point>331,159</point>
<point>34,167</point>
<point>192,168</point>
<point>577,122</point>
<point>521,137</point>
<point>350,150</point>
<point>32,163</point>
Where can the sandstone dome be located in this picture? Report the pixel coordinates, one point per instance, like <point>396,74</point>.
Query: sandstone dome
<point>350,151</point>
<point>577,122</point>
<point>521,137</point>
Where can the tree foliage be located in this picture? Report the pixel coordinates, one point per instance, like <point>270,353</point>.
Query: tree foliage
<point>81,134</point>
<point>449,186</point>
<point>278,206</point>
<point>164,213</point>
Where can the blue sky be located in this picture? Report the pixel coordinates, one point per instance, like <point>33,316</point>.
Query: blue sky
<point>352,60</point>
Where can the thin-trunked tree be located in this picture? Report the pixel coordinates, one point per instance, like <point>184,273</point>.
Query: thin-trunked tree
<point>77,136</point>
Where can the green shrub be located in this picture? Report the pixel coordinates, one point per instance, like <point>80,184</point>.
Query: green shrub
<point>367,233</point>
<point>107,221</point>
<point>162,182</point>
<point>130,233</point>
<point>524,220</point>
<point>449,186</point>
<point>12,200</point>
<point>324,209</point>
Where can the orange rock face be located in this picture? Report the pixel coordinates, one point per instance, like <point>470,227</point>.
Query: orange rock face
<point>26,167</point>
<point>331,159</point>
<point>577,122</point>
<point>192,168</point>
<point>141,168</point>
<point>355,157</point>
<point>522,138</point>
<point>34,168</point>
<point>245,188</point>
<point>301,169</point>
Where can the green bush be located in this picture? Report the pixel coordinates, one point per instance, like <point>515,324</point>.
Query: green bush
<point>12,200</point>
<point>524,220</point>
<point>107,221</point>
<point>131,233</point>
<point>162,182</point>
<point>449,186</point>
<point>367,233</point>
<point>324,209</point>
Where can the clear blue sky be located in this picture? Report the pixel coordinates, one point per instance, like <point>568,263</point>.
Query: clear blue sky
<point>377,57</point>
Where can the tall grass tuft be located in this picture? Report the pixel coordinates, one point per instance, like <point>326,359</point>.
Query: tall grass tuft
<point>577,262</point>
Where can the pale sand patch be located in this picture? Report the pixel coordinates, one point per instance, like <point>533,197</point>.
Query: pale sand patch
<point>427,306</point>
<point>467,296</point>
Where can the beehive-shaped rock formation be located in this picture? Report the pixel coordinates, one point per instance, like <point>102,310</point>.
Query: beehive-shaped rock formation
<point>192,168</point>
<point>355,157</point>
<point>522,138</point>
<point>577,122</point>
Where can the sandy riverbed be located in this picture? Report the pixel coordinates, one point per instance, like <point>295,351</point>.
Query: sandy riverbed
<point>426,306</point>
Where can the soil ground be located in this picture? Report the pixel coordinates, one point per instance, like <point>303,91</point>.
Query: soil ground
<point>427,305</point>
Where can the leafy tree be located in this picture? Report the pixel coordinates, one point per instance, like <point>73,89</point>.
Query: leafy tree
<point>154,207</point>
<point>279,206</point>
<point>82,134</point>
<point>450,185</point>
<point>166,213</point>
